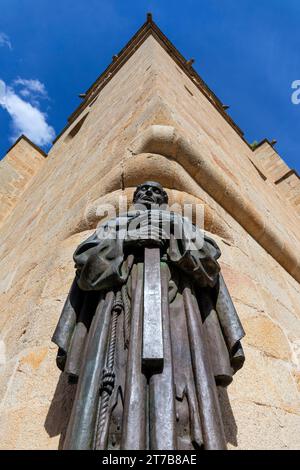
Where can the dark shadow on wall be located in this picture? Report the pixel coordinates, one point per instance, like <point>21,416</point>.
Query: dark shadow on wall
<point>60,409</point>
<point>230,426</point>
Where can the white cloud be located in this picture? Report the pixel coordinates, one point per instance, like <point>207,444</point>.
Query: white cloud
<point>24,92</point>
<point>26,118</point>
<point>31,87</point>
<point>5,41</point>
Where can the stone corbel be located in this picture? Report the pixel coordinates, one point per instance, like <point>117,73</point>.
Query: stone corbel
<point>167,141</point>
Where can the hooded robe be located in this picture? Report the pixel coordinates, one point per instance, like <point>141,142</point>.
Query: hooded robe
<point>118,405</point>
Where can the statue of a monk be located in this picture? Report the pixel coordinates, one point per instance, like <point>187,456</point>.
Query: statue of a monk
<point>149,332</point>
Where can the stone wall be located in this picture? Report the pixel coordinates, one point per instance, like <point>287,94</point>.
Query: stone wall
<point>92,162</point>
<point>17,169</point>
<point>285,179</point>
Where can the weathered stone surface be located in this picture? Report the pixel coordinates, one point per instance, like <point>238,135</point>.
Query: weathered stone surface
<point>288,320</point>
<point>22,162</point>
<point>11,423</point>
<point>22,383</point>
<point>7,371</point>
<point>266,382</point>
<point>293,289</point>
<point>241,286</point>
<point>297,378</point>
<point>267,427</point>
<point>265,335</point>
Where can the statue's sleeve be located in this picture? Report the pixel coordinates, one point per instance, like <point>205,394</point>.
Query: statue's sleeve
<point>200,263</point>
<point>196,254</point>
<point>67,322</point>
<point>230,323</point>
<point>100,263</point>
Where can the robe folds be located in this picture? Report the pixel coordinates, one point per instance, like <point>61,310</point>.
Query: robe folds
<point>118,405</point>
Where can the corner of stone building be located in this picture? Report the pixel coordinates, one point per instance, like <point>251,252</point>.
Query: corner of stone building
<point>18,167</point>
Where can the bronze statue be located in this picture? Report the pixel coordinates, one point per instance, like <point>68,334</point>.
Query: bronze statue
<point>149,331</point>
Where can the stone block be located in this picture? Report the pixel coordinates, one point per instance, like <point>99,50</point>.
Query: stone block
<point>266,382</point>
<point>22,383</point>
<point>285,318</point>
<point>7,371</point>
<point>259,427</point>
<point>11,424</point>
<point>241,287</point>
<point>267,336</point>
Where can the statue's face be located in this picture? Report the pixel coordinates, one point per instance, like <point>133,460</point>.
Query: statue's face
<point>150,193</point>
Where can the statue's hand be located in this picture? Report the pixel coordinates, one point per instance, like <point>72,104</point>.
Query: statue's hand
<point>145,231</point>
<point>153,237</point>
<point>144,237</point>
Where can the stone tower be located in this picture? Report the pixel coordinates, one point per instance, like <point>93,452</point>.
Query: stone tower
<point>150,116</point>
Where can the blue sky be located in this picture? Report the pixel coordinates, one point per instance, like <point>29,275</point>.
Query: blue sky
<point>247,51</point>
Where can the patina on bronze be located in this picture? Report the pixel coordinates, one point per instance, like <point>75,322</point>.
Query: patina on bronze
<point>149,331</point>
